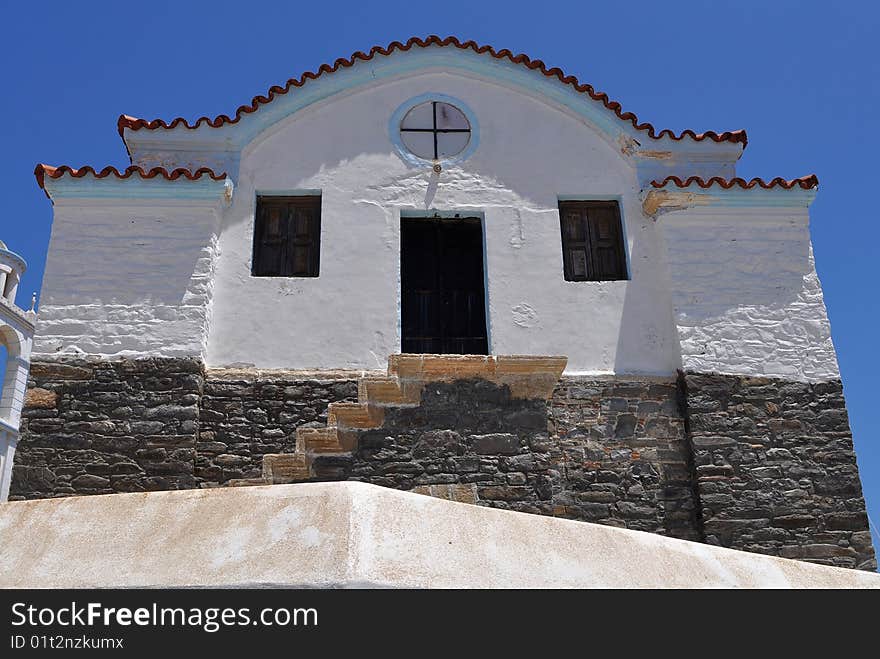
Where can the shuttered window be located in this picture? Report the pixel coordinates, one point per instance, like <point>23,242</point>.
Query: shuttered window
<point>592,241</point>
<point>287,237</point>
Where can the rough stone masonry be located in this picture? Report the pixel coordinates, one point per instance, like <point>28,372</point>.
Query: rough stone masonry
<point>762,465</point>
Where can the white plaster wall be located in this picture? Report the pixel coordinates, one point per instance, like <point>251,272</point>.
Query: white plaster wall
<point>8,444</point>
<point>746,294</point>
<point>128,278</point>
<point>529,154</point>
<point>16,334</point>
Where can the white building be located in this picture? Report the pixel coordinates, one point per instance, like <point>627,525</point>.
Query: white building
<point>16,335</point>
<point>150,263</point>
<point>444,197</point>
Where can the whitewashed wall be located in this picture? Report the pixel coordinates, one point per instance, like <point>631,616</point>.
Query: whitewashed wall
<point>746,294</point>
<point>128,277</point>
<point>16,335</point>
<point>724,282</point>
<point>530,153</point>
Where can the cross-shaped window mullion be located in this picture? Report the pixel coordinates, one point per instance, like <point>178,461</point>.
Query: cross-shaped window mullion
<point>434,130</point>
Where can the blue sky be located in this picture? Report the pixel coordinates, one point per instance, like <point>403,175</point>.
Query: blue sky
<point>800,77</point>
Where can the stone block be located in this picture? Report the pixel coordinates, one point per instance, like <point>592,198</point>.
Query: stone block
<point>439,443</point>
<point>57,370</point>
<point>39,398</point>
<point>495,444</point>
<point>90,482</point>
<point>285,468</point>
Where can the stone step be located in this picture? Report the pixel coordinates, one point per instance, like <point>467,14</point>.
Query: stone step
<point>429,368</point>
<point>286,467</point>
<point>383,391</point>
<point>527,376</point>
<point>354,415</point>
<point>318,440</point>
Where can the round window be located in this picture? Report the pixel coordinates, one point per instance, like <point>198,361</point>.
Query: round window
<point>435,130</point>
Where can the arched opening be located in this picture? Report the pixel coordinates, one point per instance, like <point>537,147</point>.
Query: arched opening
<point>3,362</point>
<point>9,351</point>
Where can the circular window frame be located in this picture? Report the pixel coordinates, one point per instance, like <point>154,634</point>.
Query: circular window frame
<point>408,156</point>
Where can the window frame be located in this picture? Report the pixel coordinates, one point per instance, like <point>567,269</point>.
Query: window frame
<point>590,246</point>
<point>310,201</point>
<point>434,130</point>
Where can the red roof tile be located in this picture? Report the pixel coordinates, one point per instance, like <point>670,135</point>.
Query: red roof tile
<point>42,171</point>
<point>805,182</point>
<point>433,40</point>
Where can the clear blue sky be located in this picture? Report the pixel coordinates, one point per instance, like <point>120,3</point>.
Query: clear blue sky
<point>803,78</point>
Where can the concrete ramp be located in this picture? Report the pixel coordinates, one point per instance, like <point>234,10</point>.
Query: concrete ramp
<point>351,535</point>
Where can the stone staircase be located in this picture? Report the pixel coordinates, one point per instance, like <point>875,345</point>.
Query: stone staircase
<point>527,376</point>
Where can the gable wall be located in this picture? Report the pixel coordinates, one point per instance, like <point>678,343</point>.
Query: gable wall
<point>530,153</point>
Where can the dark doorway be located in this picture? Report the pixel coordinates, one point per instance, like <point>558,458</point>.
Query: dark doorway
<point>443,305</point>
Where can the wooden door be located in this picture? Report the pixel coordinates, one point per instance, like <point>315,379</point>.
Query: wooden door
<point>443,305</point>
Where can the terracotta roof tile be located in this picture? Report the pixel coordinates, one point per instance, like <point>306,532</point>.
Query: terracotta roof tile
<point>42,171</point>
<point>133,123</point>
<point>805,182</point>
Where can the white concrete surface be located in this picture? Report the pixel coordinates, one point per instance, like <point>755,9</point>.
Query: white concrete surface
<point>354,535</point>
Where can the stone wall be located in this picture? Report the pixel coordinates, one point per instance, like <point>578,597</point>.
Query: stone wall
<point>775,469</point>
<point>602,451</point>
<point>756,464</point>
<point>246,416</point>
<point>625,454</point>
<point>98,427</point>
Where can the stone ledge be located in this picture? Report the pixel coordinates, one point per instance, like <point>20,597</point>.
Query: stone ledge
<point>269,374</point>
<point>528,376</point>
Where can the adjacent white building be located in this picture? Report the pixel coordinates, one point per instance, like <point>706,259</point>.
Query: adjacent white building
<point>16,336</point>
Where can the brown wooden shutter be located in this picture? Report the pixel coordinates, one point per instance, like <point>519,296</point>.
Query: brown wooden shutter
<point>592,241</point>
<point>287,237</point>
<point>575,243</point>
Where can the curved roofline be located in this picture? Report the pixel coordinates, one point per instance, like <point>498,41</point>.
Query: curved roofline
<point>134,124</point>
<point>804,182</point>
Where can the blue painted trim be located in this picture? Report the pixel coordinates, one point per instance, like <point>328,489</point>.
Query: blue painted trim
<point>364,74</point>
<point>288,192</point>
<point>590,197</point>
<point>204,188</point>
<point>432,213</point>
<point>486,302</point>
<point>398,65</point>
<point>412,159</point>
<point>753,198</point>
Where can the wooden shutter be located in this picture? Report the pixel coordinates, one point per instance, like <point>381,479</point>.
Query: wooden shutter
<point>287,237</point>
<point>592,241</point>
